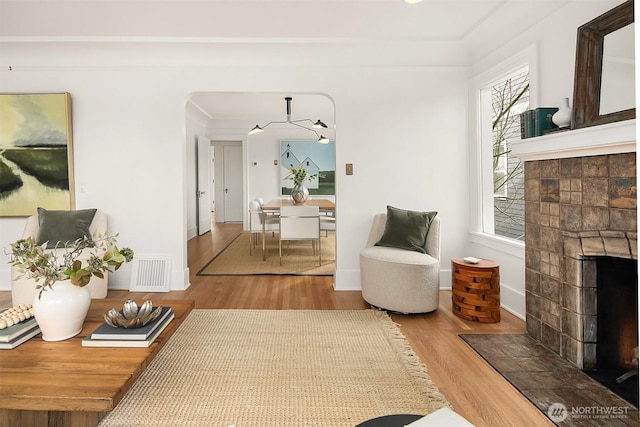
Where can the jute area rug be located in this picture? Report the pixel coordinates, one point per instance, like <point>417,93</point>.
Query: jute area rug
<point>279,368</point>
<point>297,258</point>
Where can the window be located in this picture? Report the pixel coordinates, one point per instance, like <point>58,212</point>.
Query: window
<point>502,102</point>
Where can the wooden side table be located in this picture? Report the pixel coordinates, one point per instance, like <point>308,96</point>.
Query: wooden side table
<point>476,290</point>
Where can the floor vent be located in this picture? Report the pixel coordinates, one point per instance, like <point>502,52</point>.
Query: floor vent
<point>150,274</point>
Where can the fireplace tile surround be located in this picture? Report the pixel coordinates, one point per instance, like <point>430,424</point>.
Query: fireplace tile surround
<point>576,209</point>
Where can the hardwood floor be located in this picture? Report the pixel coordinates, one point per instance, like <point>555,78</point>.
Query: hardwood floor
<point>473,388</point>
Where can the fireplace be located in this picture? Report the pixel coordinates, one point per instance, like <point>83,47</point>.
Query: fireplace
<point>616,345</point>
<point>581,224</point>
<point>617,313</point>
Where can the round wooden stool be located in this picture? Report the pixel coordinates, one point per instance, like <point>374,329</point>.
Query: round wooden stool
<point>476,290</point>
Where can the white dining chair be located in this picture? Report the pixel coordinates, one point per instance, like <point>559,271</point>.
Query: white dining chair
<point>328,222</point>
<point>300,223</point>
<point>260,200</point>
<point>259,224</point>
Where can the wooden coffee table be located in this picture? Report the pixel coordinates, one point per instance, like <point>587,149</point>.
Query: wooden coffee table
<point>62,383</point>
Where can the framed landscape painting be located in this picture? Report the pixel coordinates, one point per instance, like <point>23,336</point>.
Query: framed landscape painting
<point>36,156</point>
<point>319,160</point>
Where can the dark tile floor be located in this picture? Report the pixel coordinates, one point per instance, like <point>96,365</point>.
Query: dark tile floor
<point>567,395</point>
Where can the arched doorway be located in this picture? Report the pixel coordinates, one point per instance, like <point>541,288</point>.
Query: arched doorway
<point>229,116</point>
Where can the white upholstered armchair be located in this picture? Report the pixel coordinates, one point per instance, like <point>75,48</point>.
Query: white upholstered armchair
<point>401,280</point>
<point>24,290</point>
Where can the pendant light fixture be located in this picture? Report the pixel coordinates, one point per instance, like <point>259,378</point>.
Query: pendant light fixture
<point>317,125</point>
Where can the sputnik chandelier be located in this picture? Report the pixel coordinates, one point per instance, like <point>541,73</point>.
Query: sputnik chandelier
<point>317,125</point>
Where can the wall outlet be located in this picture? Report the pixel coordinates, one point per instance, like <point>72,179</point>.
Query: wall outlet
<point>275,163</point>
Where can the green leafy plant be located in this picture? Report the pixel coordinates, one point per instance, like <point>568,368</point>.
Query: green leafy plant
<point>299,175</point>
<point>61,263</point>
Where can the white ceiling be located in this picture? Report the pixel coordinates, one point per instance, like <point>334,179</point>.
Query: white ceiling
<point>444,32</point>
<point>355,20</point>
<point>467,25</point>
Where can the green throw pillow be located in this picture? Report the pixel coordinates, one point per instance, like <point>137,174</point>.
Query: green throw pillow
<point>63,226</point>
<point>406,229</point>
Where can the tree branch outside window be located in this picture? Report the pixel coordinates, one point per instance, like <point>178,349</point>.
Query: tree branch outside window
<point>509,98</point>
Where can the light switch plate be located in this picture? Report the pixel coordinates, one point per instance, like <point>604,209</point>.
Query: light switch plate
<point>349,168</point>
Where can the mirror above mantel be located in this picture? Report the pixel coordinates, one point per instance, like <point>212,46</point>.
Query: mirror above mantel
<point>617,85</point>
<point>604,84</point>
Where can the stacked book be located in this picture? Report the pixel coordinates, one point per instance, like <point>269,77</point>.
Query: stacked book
<point>17,325</point>
<point>537,122</point>
<point>108,336</point>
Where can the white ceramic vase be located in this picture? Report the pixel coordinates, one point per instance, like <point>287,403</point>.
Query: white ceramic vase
<point>562,117</point>
<point>61,310</point>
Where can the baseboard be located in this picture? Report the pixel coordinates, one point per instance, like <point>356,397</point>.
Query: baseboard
<point>191,233</point>
<point>513,301</point>
<point>180,280</point>
<point>445,279</point>
<point>347,280</point>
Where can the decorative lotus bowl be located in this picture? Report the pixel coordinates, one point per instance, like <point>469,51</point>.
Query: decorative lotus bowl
<point>130,317</point>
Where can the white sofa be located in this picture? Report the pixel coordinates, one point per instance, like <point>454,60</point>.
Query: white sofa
<point>399,280</point>
<point>24,290</point>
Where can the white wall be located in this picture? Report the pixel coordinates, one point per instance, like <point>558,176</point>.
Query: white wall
<point>196,125</point>
<point>401,127</point>
<point>407,146</point>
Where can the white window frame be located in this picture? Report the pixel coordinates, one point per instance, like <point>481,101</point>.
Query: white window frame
<point>481,219</point>
<point>502,167</point>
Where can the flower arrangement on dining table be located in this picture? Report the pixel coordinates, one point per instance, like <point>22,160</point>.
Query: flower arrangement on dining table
<point>299,175</point>
<point>51,266</point>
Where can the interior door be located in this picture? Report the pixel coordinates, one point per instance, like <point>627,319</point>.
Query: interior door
<point>233,183</point>
<point>203,191</point>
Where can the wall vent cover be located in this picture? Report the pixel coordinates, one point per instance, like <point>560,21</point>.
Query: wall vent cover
<point>150,274</point>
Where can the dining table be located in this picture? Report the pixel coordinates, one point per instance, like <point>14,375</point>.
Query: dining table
<point>276,204</point>
<point>273,207</point>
